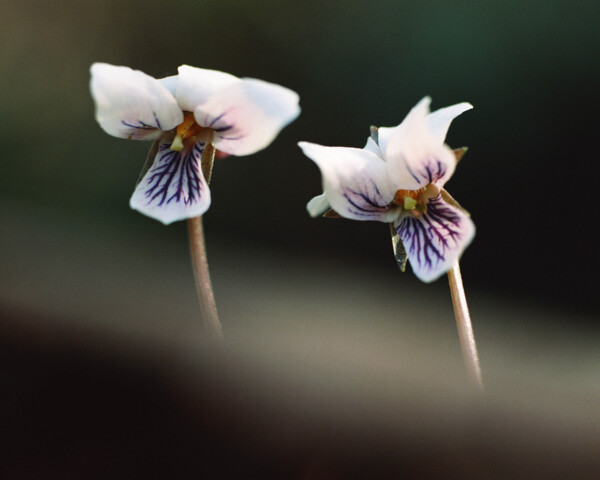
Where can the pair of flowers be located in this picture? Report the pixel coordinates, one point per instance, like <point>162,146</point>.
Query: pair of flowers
<point>397,178</point>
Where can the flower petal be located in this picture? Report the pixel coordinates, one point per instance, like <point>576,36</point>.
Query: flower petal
<point>196,85</point>
<point>383,136</point>
<point>434,241</point>
<point>354,181</point>
<point>372,146</point>
<point>170,83</point>
<point>318,205</point>
<point>439,121</point>
<point>174,187</point>
<point>246,116</point>
<point>131,104</point>
<point>414,155</point>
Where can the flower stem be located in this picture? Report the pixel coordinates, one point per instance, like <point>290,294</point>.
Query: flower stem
<point>465,329</point>
<point>202,277</point>
<point>200,262</point>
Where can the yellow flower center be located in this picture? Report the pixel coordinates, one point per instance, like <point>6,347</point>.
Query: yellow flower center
<point>415,201</point>
<point>186,132</point>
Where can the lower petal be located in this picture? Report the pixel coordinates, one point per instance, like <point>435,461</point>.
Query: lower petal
<point>435,240</point>
<point>173,188</point>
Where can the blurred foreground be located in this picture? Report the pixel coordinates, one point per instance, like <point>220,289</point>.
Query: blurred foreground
<point>329,371</point>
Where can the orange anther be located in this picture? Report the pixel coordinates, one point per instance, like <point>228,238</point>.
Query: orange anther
<point>188,127</point>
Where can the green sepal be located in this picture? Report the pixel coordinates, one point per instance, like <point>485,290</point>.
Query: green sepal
<point>449,199</point>
<point>459,153</point>
<point>399,251</point>
<point>375,134</point>
<point>331,213</point>
<point>149,159</point>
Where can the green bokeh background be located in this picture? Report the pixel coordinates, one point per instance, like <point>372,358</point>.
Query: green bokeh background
<point>529,67</point>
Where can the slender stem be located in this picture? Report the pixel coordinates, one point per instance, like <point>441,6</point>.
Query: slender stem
<point>465,329</point>
<point>202,277</point>
<point>200,261</point>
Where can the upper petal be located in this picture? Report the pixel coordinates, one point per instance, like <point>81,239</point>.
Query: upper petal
<point>355,182</point>
<point>131,104</point>
<point>174,187</point>
<point>170,83</point>
<point>439,121</point>
<point>246,116</point>
<point>414,154</point>
<point>384,134</point>
<point>435,240</point>
<point>195,85</point>
<point>372,146</point>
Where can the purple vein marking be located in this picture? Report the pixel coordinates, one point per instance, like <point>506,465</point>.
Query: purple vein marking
<point>176,177</point>
<point>231,138</point>
<point>364,202</point>
<point>418,180</point>
<point>157,121</point>
<point>427,171</point>
<point>428,238</point>
<point>216,119</point>
<point>441,171</point>
<point>141,125</point>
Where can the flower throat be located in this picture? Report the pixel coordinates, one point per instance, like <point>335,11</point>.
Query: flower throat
<point>186,130</point>
<point>415,201</point>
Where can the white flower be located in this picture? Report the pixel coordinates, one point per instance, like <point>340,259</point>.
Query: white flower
<point>185,113</point>
<point>397,178</point>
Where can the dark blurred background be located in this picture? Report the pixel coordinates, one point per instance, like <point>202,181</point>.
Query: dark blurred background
<point>85,277</point>
<point>530,68</point>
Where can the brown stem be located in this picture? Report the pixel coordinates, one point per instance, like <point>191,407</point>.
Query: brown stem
<point>202,277</point>
<point>200,261</point>
<point>465,329</point>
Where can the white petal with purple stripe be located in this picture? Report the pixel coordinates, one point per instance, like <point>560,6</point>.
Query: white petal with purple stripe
<point>247,115</point>
<point>435,241</point>
<point>131,104</point>
<point>174,187</point>
<point>355,182</point>
<point>415,156</point>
